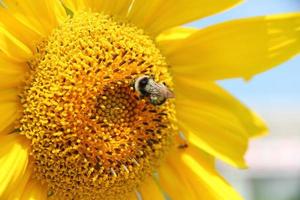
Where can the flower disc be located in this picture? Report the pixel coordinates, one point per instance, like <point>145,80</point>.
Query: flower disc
<point>92,136</point>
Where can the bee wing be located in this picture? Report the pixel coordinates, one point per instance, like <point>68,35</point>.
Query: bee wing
<point>159,89</point>
<point>167,93</point>
<point>153,87</point>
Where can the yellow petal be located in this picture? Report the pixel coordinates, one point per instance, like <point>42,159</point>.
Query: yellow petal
<point>11,76</point>
<point>13,162</point>
<point>11,72</point>
<point>150,190</point>
<point>176,184</point>
<point>43,14</point>
<point>18,188</point>
<point>158,15</point>
<point>117,8</point>
<point>239,48</point>
<point>19,27</point>
<point>211,94</point>
<point>9,113</point>
<point>171,38</point>
<point>8,109</point>
<point>34,191</point>
<point>13,47</point>
<point>215,121</point>
<point>17,16</point>
<point>23,23</point>
<point>175,34</point>
<point>197,169</point>
<point>77,5</point>
<point>9,95</point>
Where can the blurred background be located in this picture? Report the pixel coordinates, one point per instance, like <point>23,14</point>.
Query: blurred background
<point>274,161</point>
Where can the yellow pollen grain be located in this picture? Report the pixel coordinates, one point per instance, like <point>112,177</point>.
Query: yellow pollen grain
<point>92,137</point>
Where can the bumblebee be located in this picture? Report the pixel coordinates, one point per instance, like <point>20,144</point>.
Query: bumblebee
<point>157,93</point>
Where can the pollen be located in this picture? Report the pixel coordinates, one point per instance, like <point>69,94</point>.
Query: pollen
<point>92,136</point>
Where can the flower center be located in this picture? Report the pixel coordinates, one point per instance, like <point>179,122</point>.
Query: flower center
<point>92,136</point>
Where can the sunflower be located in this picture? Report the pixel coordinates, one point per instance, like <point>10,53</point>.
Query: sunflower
<point>73,123</point>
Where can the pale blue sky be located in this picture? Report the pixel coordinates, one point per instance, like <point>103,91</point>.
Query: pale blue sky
<point>280,86</point>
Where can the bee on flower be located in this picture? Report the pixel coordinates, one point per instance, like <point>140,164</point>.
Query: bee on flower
<point>157,93</point>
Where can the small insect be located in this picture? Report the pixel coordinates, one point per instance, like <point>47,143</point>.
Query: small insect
<point>183,143</point>
<point>157,93</point>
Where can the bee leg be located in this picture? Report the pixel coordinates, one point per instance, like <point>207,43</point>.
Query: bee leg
<point>157,100</point>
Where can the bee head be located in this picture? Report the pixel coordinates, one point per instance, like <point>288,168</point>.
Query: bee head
<point>143,81</point>
<point>140,85</point>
